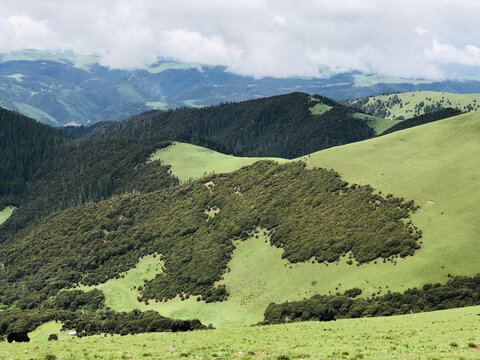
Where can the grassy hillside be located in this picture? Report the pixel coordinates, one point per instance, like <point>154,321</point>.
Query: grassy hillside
<point>189,161</point>
<point>397,337</point>
<point>423,119</point>
<point>378,124</point>
<point>410,104</point>
<point>95,242</point>
<point>436,165</point>
<point>5,214</point>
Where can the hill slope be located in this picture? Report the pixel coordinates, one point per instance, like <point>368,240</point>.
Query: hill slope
<point>434,164</point>
<point>422,119</point>
<point>189,161</point>
<point>282,126</point>
<point>96,242</point>
<point>409,104</point>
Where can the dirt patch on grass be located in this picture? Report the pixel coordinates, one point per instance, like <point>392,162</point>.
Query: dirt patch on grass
<point>210,185</point>
<point>431,202</point>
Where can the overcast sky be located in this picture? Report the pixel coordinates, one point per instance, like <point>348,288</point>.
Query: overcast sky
<point>256,37</point>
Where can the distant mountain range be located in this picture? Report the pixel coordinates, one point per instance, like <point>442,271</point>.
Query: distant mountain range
<point>64,88</point>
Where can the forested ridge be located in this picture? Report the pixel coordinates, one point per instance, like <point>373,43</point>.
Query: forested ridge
<point>280,126</point>
<point>97,241</point>
<point>88,171</point>
<point>24,145</point>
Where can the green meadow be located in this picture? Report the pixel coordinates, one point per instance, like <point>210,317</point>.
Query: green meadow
<point>446,334</point>
<point>412,99</point>
<point>192,162</point>
<point>376,123</point>
<point>319,109</point>
<point>6,213</point>
<point>435,165</point>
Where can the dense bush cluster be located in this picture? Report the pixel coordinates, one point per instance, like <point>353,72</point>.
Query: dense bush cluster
<point>281,126</point>
<point>458,292</point>
<point>311,214</point>
<point>74,300</point>
<point>134,322</point>
<point>29,320</point>
<point>89,323</point>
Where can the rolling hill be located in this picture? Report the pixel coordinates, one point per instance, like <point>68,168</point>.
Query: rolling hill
<point>432,164</point>
<point>406,105</point>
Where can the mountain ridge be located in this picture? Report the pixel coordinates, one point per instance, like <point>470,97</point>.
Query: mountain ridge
<point>57,88</point>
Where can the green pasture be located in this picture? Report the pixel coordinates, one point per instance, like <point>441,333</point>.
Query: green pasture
<point>437,166</point>
<point>411,99</point>
<point>376,123</point>
<point>5,214</point>
<point>121,294</point>
<point>192,162</point>
<point>319,109</point>
<point>446,334</point>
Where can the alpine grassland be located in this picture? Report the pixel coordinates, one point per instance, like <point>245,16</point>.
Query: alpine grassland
<point>409,104</point>
<point>378,124</point>
<point>446,334</point>
<point>6,213</point>
<point>435,165</point>
<point>192,162</point>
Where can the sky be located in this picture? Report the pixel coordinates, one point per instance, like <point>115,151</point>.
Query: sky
<point>429,39</point>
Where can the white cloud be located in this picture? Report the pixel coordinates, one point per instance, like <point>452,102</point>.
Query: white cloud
<point>444,53</point>
<point>254,37</point>
<point>191,46</point>
<point>420,31</point>
<point>20,32</point>
<point>279,20</point>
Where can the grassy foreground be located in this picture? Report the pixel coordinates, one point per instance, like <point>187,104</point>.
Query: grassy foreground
<point>447,334</point>
<point>6,213</point>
